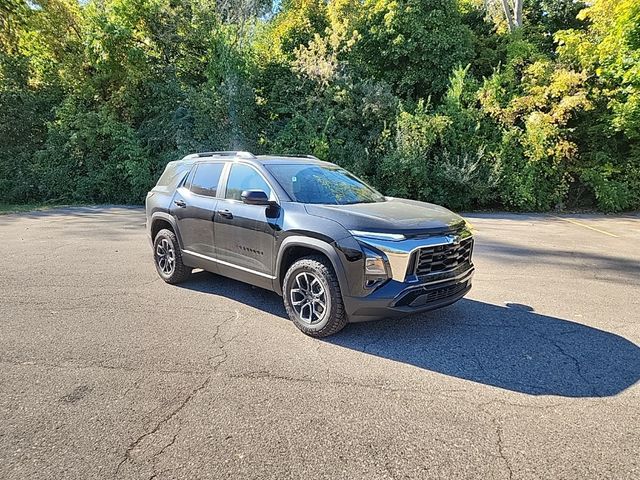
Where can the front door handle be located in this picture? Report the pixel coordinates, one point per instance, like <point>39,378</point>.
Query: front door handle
<point>180,203</point>
<point>225,213</point>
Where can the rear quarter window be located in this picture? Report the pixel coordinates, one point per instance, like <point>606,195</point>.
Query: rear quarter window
<point>173,172</point>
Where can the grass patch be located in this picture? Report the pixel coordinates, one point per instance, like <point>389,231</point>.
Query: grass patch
<point>6,208</point>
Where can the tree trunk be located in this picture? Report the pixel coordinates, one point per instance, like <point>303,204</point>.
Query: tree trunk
<point>513,14</point>
<point>518,12</point>
<point>507,13</point>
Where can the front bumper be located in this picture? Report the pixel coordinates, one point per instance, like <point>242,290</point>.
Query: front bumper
<point>398,299</point>
<point>424,273</point>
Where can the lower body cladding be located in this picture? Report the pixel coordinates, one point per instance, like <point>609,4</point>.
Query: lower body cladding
<point>396,299</point>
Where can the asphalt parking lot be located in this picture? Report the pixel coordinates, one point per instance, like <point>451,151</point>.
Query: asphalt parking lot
<point>107,372</point>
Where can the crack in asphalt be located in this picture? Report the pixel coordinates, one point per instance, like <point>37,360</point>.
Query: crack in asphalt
<point>500,445</point>
<point>551,342</point>
<point>220,358</point>
<point>446,394</point>
<point>77,364</point>
<point>48,306</point>
<point>70,366</point>
<point>257,375</point>
<point>159,424</point>
<point>499,435</point>
<point>158,454</point>
<point>173,440</point>
<point>577,364</point>
<point>573,359</point>
<point>173,413</point>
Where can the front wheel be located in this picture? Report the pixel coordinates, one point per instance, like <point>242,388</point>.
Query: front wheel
<point>168,259</point>
<point>312,297</point>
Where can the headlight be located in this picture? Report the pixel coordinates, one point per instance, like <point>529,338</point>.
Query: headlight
<point>394,237</point>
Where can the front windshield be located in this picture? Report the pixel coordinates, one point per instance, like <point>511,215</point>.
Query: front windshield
<point>309,183</point>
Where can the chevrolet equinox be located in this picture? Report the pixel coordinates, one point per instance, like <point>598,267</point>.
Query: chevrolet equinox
<point>334,248</point>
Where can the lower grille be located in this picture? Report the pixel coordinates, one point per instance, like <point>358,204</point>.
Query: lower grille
<point>443,258</point>
<point>422,296</point>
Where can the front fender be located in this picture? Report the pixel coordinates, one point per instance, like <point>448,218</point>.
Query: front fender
<point>313,243</point>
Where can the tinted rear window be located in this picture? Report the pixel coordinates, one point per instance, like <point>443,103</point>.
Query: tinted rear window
<point>173,172</point>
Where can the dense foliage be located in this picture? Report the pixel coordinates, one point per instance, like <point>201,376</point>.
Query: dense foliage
<point>439,100</point>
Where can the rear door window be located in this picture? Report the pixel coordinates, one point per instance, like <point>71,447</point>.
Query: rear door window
<point>205,180</point>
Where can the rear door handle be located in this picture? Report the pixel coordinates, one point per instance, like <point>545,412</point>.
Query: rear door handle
<point>225,213</point>
<point>180,203</point>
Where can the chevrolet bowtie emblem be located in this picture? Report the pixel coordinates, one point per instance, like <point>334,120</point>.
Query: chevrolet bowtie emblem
<point>453,239</point>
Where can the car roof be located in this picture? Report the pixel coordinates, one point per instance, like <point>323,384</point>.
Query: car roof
<point>290,160</point>
<point>257,159</point>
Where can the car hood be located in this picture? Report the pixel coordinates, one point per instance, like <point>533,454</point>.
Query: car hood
<point>394,215</point>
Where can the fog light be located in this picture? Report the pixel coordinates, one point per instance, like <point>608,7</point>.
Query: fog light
<point>375,269</point>
<point>375,266</point>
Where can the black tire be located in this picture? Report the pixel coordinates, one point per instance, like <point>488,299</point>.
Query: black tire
<point>333,318</point>
<point>179,272</point>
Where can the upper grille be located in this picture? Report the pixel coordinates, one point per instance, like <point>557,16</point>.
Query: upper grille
<point>443,258</point>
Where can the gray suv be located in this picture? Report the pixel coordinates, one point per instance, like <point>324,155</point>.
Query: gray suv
<point>334,248</point>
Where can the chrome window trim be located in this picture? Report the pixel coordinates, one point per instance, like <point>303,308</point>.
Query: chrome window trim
<point>228,264</point>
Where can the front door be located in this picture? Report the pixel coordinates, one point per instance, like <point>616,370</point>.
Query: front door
<point>244,233</point>
<point>193,208</point>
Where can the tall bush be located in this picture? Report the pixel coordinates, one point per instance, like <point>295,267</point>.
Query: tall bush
<point>429,99</point>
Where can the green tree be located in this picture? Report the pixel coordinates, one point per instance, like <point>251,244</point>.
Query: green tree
<point>608,53</point>
<point>411,44</point>
<point>443,152</point>
<point>96,97</point>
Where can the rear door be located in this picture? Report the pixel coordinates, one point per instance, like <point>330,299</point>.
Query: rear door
<point>245,233</point>
<point>194,205</point>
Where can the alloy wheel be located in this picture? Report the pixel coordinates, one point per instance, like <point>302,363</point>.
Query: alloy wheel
<point>308,298</point>
<point>166,257</point>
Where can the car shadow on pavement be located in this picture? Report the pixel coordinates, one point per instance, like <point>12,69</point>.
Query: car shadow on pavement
<point>265,300</point>
<point>509,347</point>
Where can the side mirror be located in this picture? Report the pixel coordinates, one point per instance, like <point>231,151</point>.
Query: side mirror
<point>255,197</point>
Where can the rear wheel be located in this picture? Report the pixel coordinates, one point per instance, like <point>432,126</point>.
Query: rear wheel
<point>312,297</point>
<point>168,259</point>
